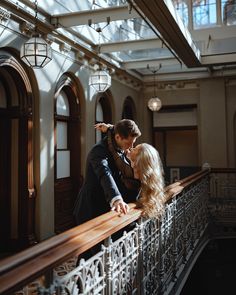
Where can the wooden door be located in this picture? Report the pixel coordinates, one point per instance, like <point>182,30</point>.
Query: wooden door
<point>5,183</point>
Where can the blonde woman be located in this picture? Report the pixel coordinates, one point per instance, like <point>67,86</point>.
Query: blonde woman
<point>147,168</point>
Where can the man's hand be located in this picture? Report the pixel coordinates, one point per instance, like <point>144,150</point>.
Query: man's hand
<point>120,206</point>
<point>102,127</point>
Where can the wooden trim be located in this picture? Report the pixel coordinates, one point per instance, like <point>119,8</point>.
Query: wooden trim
<point>26,209</point>
<point>175,128</point>
<point>32,263</point>
<point>177,187</point>
<point>177,107</point>
<point>223,170</point>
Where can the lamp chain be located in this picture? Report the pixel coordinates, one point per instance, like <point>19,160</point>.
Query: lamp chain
<point>154,73</point>
<point>99,31</point>
<point>36,16</point>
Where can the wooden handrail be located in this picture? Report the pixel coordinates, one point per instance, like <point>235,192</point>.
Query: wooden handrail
<point>177,187</point>
<point>18,270</point>
<point>223,170</point>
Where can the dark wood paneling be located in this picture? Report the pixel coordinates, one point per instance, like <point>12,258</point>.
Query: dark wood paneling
<point>5,185</point>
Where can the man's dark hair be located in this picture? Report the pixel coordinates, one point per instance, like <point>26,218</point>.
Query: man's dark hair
<point>126,128</point>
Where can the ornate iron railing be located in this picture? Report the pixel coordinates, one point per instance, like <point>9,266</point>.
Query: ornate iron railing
<point>222,202</point>
<point>152,258</point>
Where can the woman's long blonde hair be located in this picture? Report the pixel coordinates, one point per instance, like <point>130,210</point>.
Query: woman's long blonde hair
<point>149,167</point>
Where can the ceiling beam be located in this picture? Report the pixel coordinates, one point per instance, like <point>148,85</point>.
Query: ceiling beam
<point>219,59</point>
<point>164,19</point>
<point>95,16</point>
<point>142,63</point>
<point>131,45</point>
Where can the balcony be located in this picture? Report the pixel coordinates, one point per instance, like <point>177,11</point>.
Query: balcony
<point>154,257</point>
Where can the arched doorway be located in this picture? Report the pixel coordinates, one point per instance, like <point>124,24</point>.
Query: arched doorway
<point>17,192</point>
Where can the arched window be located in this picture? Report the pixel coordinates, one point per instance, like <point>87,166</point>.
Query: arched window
<point>3,98</point>
<point>99,119</point>
<point>63,152</point>
<point>129,111</point>
<point>67,150</point>
<point>103,113</point>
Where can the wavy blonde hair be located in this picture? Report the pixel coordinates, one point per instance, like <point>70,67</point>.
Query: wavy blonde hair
<point>149,168</point>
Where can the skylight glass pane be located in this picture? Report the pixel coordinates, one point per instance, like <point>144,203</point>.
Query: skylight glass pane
<point>144,54</point>
<point>204,13</point>
<point>121,30</point>
<point>65,6</point>
<point>228,9</point>
<point>182,9</point>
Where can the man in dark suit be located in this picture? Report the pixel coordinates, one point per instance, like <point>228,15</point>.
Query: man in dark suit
<point>103,188</point>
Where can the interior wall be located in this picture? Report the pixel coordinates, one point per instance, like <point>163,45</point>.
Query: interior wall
<point>210,97</point>
<point>213,123</point>
<point>231,122</point>
<point>182,148</point>
<point>216,108</point>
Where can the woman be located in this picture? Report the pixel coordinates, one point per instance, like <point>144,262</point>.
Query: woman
<point>147,168</point>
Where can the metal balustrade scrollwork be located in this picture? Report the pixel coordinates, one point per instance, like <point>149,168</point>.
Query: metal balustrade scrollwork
<point>152,258</point>
<point>145,260</point>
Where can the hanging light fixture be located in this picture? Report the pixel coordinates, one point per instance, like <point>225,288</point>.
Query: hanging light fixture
<point>100,80</point>
<point>154,103</point>
<point>36,52</point>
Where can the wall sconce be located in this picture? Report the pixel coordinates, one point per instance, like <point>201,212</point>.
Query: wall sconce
<point>36,52</point>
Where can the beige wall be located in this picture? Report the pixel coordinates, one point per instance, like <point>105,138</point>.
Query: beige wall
<point>216,109</point>
<point>212,123</point>
<point>182,148</point>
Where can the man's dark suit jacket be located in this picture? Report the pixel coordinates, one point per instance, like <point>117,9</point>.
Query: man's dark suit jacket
<point>101,184</point>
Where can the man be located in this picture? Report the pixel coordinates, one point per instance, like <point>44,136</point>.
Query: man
<point>103,188</point>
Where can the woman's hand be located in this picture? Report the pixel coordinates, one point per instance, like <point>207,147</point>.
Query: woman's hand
<point>102,127</point>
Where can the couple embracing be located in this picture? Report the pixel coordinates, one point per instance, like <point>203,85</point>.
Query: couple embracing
<point>118,173</point>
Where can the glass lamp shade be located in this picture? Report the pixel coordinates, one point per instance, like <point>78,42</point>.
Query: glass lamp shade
<point>154,104</point>
<point>36,52</point>
<point>100,80</point>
